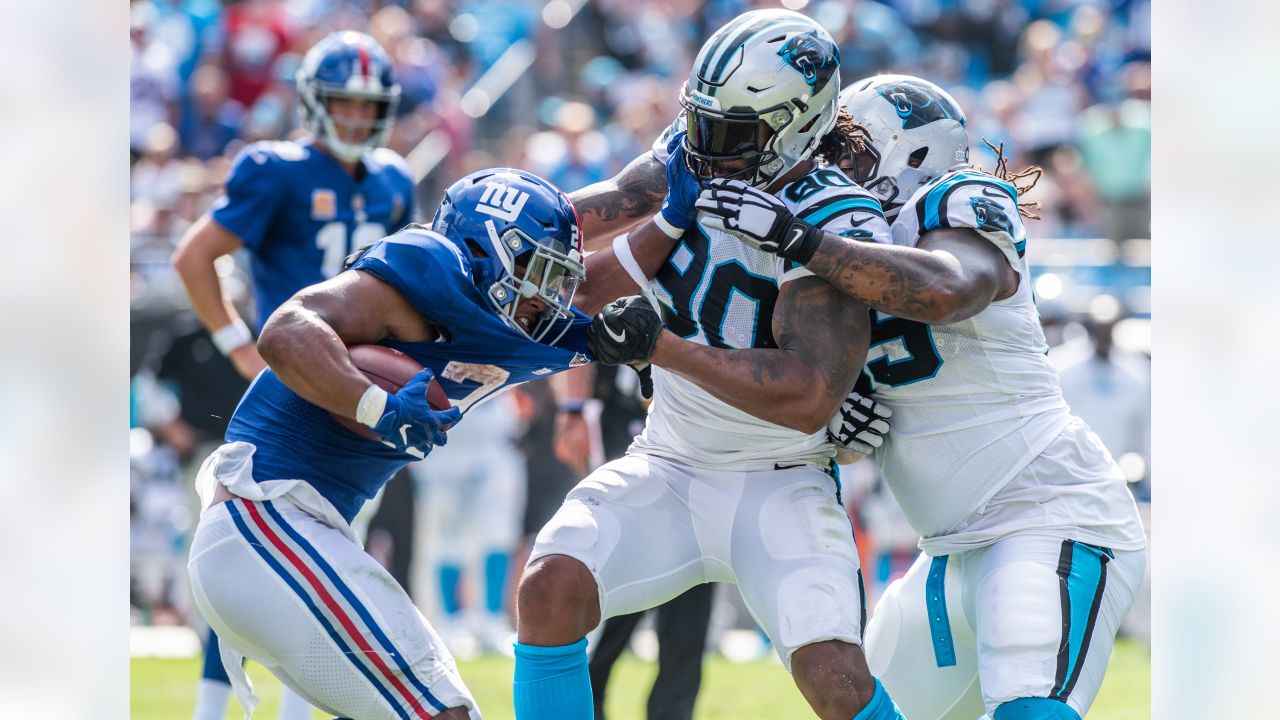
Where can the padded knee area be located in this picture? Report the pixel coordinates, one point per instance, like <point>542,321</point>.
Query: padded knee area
<point>1035,709</point>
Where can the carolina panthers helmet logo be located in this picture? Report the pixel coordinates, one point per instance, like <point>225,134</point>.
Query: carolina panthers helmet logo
<point>817,59</point>
<point>917,105</point>
<point>990,215</point>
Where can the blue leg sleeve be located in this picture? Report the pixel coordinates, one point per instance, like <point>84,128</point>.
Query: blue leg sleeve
<point>495,581</point>
<point>213,669</point>
<point>552,683</point>
<point>449,577</point>
<point>881,707</point>
<point>1036,709</point>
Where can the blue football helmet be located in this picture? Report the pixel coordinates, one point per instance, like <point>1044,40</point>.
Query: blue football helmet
<point>346,64</point>
<point>522,239</point>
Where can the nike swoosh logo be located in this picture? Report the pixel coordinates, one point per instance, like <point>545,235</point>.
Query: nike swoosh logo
<point>616,336</point>
<point>796,234</point>
<point>993,193</point>
<point>404,433</point>
<point>860,223</point>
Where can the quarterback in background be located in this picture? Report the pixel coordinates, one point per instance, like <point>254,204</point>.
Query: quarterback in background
<point>1033,547</point>
<point>299,209</point>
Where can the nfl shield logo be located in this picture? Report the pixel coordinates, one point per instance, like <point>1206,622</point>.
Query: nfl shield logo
<point>324,204</point>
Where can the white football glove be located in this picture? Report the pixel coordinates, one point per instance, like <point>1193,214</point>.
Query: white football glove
<point>758,219</point>
<point>860,425</point>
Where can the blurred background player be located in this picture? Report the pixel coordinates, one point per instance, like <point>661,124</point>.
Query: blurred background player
<point>1033,547</point>
<point>471,497</point>
<point>598,428</point>
<point>299,208</point>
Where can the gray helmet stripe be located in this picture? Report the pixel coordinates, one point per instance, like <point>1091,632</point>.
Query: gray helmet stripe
<point>711,52</point>
<point>733,46</point>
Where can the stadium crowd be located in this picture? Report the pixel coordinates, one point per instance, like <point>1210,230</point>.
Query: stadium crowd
<point>572,91</point>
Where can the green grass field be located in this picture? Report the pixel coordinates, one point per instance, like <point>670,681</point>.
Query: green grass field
<point>165,689</point>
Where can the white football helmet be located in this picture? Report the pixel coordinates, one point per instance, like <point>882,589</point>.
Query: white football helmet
<point>762,93</point>
<point>917,134</point>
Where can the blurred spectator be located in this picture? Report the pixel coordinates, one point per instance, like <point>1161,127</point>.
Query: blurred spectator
<point>573,154</point>
<point>257,32</point>
<point>1110,389</point>
<point>153,78</point>
<point>1115,143</point>
<point>214,119</point>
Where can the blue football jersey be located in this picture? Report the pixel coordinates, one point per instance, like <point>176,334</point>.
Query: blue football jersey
<point>300,214</point>
<point>476,357</point>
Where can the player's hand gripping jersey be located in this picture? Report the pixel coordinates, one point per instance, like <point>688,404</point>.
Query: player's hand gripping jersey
<point>300,214</point>
<point>716,290</point>
<point>974,401</point>
<point>476,357</point>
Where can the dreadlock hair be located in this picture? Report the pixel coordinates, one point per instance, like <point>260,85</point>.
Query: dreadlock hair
<point>1030,175</point>
<point>846,139</point>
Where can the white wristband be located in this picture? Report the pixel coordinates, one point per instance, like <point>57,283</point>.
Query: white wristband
<point>233,335</point>
<point>622,251</point>
<point>672,231</point>
<point>371,406</point>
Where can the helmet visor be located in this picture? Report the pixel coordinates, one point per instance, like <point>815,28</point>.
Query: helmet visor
<point>548,275</point>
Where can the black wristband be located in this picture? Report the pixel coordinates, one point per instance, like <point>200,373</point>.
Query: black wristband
<point>802,249</point>
<point>571,407</point>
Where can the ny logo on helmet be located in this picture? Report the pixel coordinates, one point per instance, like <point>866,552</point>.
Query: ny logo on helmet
<point>502,202</point>
<point>817,59</point>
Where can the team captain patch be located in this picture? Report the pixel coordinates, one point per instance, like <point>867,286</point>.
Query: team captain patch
<point>324,204</point>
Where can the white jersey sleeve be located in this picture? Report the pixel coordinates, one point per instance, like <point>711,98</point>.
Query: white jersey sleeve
<point>967,199</point>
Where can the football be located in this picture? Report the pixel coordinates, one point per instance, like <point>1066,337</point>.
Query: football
<point>389,369</point>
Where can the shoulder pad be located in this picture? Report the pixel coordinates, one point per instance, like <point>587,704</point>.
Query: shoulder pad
<point>387,157</point>
<point>264,151</point>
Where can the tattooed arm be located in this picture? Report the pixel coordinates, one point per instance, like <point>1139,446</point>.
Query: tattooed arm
<point>822,340</point>
<point>609,208</point>
<point>950,275</point>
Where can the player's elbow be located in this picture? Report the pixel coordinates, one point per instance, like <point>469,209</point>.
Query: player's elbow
<point>808,411</point>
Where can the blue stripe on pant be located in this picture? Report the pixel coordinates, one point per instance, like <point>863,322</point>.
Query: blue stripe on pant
<point>935,600</point>
<point>1082,573</point>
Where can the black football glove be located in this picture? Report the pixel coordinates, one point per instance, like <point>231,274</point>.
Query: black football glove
<point>624,332</point>
<point>757,219</point>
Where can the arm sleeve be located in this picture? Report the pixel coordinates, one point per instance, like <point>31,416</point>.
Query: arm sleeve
<point>253,192</point>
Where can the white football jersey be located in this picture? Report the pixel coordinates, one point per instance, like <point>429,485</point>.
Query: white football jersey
<point>974,402</point>
<point>717,291</point>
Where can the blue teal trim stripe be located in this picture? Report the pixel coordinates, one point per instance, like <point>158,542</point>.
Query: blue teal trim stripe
<point>826,212</point>
<point>1082,572</point>
<point>345,590</point>
<point>935,600</point>
<point>260,547</point>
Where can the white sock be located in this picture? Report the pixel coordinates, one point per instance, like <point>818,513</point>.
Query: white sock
<point>211,699</point>
<point>292,706</point>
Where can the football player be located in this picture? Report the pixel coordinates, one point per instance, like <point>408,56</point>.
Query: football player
<point>731,479</point>
<point>299,209</point>
<point>482,301</point>
<point>1033,547</point>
